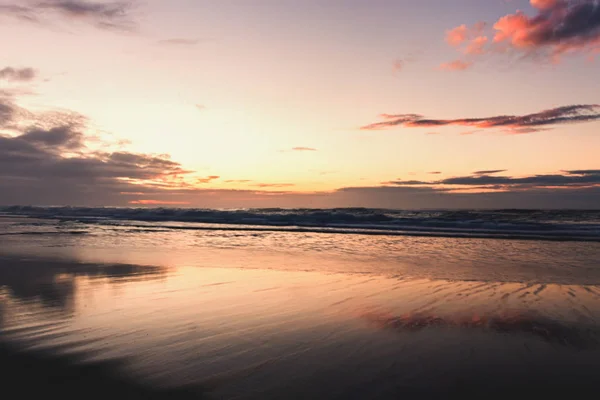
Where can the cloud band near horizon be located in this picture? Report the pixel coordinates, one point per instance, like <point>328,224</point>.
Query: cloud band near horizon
<point>515,124</point>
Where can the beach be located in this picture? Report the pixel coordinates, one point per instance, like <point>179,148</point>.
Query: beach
<point>234,314</point>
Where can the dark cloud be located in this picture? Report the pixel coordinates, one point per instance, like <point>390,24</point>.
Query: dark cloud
<point>432,198</point>
<point>567,179</point>
<point>44,164</point>
<point>7,112</point>
<point>511,123</point>
<point>17,74</point>
<point>401,182</point>
<point>489,172</point>
<point>435,172</point>
<point>60,138</point>
<point>584,172</point>
<point>112,15</point>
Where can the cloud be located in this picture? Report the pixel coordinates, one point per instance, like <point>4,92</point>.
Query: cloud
<point>477,46</point>
<point>489,172</point>
<point>557,27</point>
<point>304,149</point>
<point>179,42</point>
<point>274,185</point>
<point>435,173</point>
<point>398,65</point>
<point>238,181</point>
<point>55,160</point>
<point>456,65</point>
<point>485,178</point>
<point>515,124</point>
<point>457,36</point>
<point>406,183</point>
<point>112,15</point>
<point>17,74</point>
<point>583,172</point>
<point>461,34</point>
<point>208,179</point>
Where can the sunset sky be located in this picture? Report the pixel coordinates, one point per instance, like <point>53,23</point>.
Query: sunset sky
<point>264,103</point>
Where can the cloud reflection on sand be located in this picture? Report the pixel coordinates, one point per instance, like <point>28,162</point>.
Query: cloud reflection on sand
<point>544,328</point>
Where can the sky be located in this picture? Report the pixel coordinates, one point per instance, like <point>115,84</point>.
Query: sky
<point>285,103</point>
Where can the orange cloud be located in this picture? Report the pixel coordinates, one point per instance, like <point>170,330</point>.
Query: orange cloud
<point>456,65</point>
<point>544,4</point>
<point>208,179</point>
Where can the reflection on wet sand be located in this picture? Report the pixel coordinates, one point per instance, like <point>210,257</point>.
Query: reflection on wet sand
<point>54,371</point>
<point>293,334</point>
<point>52,283</point>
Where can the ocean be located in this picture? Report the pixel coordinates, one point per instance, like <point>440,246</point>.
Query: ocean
<point>303,303</point>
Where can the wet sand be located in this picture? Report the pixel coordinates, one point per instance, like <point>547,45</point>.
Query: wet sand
<point>170,332</point>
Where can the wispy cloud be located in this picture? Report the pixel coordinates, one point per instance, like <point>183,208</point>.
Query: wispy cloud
<point>18,74</point>
<point>514,124</point>
<point>274,185</point>
<point>238,181</point>
<point>182,42</point>
<point>489,172</point>
<point>104,15</point>
<point>304,149</point>
<point>207,179</point>
<point>398,65</point>
<point>456,65</point>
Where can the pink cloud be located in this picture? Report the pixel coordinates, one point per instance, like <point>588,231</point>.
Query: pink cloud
<point>461,34</point>
<point>477,45</point>
<point>457,36</point>
<point>456,65</point>
<point>556,28</point>
<point>398,65</point>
